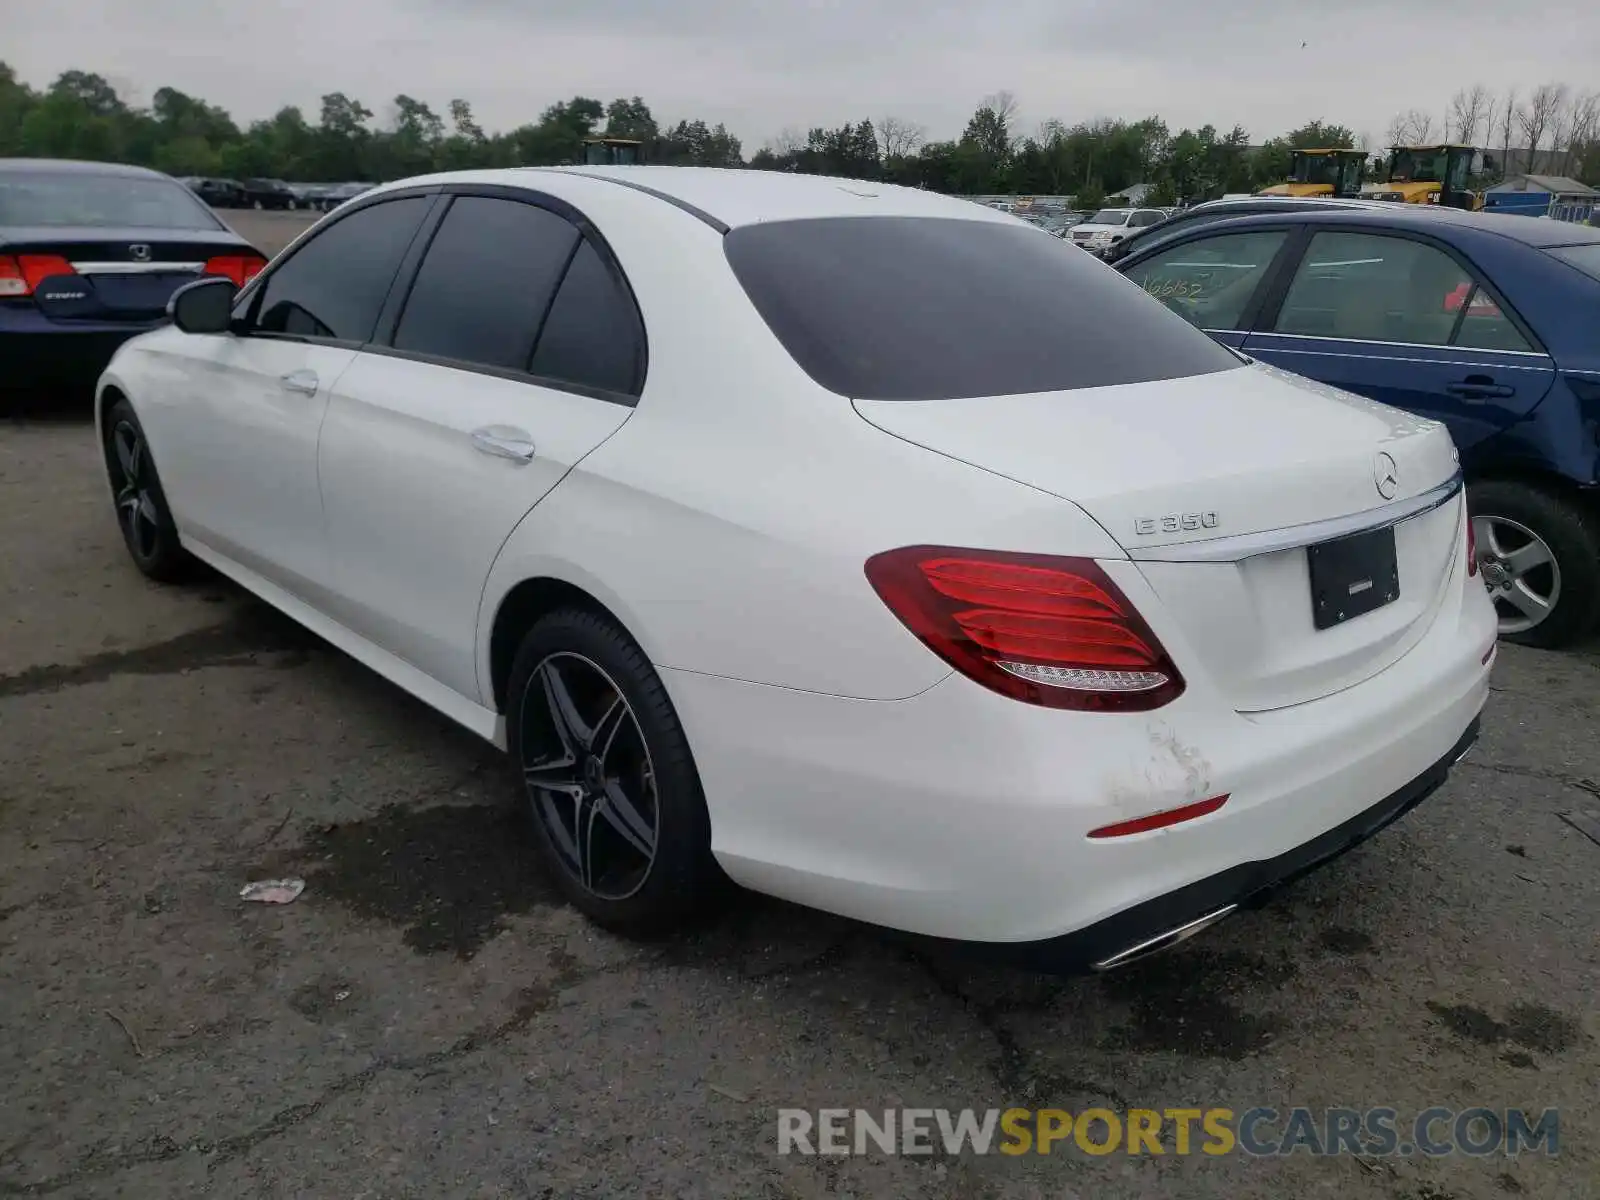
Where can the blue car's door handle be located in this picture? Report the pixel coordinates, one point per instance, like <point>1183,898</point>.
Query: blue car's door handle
<point>1479,387</point>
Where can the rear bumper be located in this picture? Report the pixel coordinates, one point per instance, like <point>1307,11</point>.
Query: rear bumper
<point>1155,925</point>
<point>39,353</point>
<point>965,816</point>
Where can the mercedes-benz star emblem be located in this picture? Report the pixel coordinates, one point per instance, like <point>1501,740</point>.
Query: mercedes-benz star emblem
<point>140,252</point>
<point>1385,475</point>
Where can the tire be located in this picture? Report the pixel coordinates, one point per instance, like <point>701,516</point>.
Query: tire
<point>584,664</point>
<point>142,512</point>
<point>1515,524</point>
<point>258,205</point>
<point>290,205</point>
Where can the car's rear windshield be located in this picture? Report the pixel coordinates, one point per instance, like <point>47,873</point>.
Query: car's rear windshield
<point>127,201</point>
<point>918,308</point>
<point>1586,257</point>
<point>1110,216</point>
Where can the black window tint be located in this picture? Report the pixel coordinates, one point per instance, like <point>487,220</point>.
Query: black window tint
<point>486,282</point>
<point>919,308</point>
<point>334,285</point>
<point>592,334</point>
<point>1210,280</point>
<point>1372,287</point>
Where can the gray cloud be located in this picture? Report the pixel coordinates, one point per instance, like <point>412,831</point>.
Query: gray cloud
<point>761,67</point>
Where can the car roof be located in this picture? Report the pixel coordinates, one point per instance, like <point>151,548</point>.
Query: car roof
<point>74,166</point>
<point>1245,203</point>
<point>1388,214</point>
<point>742,197</point>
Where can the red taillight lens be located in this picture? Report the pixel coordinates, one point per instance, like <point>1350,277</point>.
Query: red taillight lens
<point>1472,549</point>
<point>241,268</point>
<point>21,273</point>
<point>1050,631</point>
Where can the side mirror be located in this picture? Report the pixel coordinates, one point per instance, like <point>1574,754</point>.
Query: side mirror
<point>204,306</point>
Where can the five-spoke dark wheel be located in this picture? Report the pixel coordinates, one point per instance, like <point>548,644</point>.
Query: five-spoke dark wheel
<point>141,505</point>
<point>608,779</point>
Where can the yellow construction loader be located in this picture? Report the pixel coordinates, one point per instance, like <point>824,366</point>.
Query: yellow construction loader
<point>1432,175</point>
<point>1321,173</point>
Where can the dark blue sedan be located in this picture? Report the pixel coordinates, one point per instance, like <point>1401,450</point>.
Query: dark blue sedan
<point>1490,324</point>
<point>89,254</point>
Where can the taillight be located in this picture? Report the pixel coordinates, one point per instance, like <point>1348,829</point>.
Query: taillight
<point>1472,548</point>
<point>241,268</point>
<point>21,273</point>
<point>1050,631</point>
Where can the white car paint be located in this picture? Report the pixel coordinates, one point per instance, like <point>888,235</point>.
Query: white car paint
<point>1097,236</point>
<point>726,521</point>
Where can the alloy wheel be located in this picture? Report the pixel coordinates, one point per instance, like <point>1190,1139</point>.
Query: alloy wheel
<point>1520,571</point>
<point>136,507</point>
<point>591,783</point>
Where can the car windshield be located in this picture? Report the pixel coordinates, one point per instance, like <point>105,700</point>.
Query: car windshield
<point>1586,257</point>
<point>1315,168</point>
<point>1418,166</point>
<point>126,201</point>
<point>918,308</point>
<point>1110,216</point>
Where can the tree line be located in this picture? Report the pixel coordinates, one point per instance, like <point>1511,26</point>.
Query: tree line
<point>1555,128</point>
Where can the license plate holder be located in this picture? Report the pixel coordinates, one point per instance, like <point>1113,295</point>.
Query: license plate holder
<point>1351,576</point>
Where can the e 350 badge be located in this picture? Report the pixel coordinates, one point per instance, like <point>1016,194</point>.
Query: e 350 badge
<point>1175,523</point>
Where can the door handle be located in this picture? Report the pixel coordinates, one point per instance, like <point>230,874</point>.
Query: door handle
<point>303,382</point>
<point>503,441</point>
<point>1479,387</point>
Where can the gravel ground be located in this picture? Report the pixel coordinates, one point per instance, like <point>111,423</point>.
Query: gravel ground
<point>429,1021</point>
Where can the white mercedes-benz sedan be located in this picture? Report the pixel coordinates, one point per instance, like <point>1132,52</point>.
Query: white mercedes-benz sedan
<point>865,546</point>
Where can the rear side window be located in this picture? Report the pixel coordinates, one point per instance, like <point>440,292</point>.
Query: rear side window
<point>591,337</point>
<point>1585,258</point>
<point>1375,287</point>
<point>335,284</point>
<point>918,308</point>
<point>485,283</point>
<point>1210,281</point>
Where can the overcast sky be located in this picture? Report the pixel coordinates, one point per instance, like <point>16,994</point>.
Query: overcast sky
<point>763,65</point>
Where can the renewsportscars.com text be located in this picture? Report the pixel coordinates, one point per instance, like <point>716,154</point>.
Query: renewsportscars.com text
<point>1215,1131</point>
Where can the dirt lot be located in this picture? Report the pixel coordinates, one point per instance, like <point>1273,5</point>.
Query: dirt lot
<point>427,1021</point>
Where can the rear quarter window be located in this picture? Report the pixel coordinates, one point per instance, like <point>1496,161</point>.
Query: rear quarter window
<point>918,308</point>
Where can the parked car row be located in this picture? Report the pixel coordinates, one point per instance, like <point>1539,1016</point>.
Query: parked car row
<point>272,193</point>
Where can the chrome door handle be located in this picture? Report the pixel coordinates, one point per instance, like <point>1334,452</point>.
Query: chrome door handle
<point>503,442</point>
<point>304,382</point>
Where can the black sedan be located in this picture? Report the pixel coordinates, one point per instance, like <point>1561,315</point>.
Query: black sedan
<point>89,254</point>
<point>268,193</point>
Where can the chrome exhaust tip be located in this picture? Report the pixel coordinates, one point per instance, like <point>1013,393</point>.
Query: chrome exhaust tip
<point>1163,941</point>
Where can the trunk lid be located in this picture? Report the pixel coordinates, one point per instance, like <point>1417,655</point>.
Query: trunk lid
<point>1215,485</point>
<point>121,274</point>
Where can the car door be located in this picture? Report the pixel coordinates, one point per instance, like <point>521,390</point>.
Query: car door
<point>518,350</point>
<point>1215,280</point>
<point>1403,320</point>
<point>256,397</point>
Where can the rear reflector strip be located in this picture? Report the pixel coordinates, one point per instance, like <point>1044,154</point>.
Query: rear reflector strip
<point>1160,820</point>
